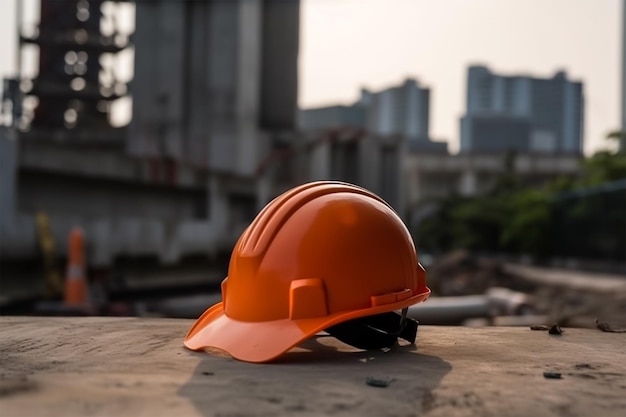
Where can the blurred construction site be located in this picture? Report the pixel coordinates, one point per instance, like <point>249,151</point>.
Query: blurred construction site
<point>140,138</point>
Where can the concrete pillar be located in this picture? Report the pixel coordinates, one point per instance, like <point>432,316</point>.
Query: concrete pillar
<point>102,248</point>
<point>263,191</point>
<point>223,53</point>
<point>468,183</point>
<point>319,167</point>
<point>389,172</point>
<point>401,195</point>
<point>158,105</point>
<point>279,71</point>
<point>8,180</point>
<point>198,85</point>
<point>413,181</point>
<point>171,65</point>
<point>247,92</point>
<point>219,217</point>
<point>369,162</point>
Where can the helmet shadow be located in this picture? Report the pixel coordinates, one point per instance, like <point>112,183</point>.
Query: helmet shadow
<point>320,376</point>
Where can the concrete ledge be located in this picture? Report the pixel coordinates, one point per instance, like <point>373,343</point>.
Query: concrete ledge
<point>580,280</point>
<point>128,366</point>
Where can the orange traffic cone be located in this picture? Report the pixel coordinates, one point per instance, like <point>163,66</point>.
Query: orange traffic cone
<point>76,280</point>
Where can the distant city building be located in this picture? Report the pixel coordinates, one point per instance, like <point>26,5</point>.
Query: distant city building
<point>402,111</point>
<point>332,116</point>
<point>496,133</point>
<point>522,113</point>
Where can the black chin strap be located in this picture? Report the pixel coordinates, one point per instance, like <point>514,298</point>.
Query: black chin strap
<point>376,332</point>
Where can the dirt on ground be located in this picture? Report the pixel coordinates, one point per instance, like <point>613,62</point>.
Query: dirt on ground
<point>571,298</point>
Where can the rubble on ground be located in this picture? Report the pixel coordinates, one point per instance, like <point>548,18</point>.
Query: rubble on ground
<point>460,273</point>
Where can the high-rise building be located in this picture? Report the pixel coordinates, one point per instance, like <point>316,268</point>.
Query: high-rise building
<point>402,111</point>
<point>522,113</point>
<point>218,80</point>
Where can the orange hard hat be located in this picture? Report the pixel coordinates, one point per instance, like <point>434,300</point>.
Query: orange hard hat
<point>317,256</point>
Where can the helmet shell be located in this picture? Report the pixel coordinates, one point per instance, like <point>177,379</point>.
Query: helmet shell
<point>317,255</point>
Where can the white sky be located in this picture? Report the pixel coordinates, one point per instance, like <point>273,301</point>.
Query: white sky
<point>346,44</point>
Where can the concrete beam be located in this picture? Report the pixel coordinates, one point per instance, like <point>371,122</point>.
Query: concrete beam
<point>436,175</point>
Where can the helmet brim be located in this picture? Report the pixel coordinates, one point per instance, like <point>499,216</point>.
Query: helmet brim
<point>265,341</point>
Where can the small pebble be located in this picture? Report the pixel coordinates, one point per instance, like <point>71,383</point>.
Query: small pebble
<point>555,329</point>
<point>552,375</point>
<point>377,382</point>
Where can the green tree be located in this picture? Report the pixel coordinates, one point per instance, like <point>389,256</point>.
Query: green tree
<point>583,216</point>
<point>527,229</point>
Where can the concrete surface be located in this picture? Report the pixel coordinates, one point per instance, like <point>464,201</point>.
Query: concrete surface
<point>138,367</point>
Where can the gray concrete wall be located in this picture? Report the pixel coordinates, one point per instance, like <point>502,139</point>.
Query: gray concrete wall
<point>108,237</point>
<point>96,198</point>
<point>124,209</point>
<point>437,175</point>
<point>101,163</point>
